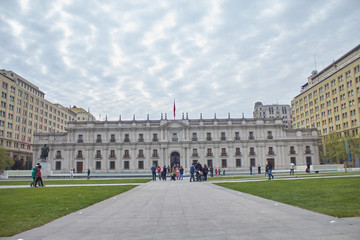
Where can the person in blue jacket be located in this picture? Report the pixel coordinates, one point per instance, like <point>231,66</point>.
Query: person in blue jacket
<point>192,171</point>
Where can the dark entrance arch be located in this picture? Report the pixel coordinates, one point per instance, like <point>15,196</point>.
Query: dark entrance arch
<point>174,159</point>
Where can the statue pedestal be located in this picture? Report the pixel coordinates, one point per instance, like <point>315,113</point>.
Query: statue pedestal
<point>45,169</point>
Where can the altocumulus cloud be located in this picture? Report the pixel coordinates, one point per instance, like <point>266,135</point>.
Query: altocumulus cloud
<point>135,57</point>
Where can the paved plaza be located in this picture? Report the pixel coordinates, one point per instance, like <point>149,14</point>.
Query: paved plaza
<point>200,210</point>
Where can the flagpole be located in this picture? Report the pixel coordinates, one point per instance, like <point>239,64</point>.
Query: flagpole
<point>174,109</point>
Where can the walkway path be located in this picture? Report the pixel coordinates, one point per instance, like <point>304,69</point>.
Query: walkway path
<point>183,210</point>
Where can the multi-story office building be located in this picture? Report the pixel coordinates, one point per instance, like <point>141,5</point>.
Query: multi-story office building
<point>282,111</point>
<point>133,146</point>
<point>330,100</point>
<point>82,115</point>
<point>24,111</point>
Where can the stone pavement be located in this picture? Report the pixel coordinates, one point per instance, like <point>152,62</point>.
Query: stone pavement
<point>183,210</point>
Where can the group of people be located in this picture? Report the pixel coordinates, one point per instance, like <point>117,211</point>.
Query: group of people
<point>36,175</point>
<point>197,172</point>
<point>176,172</point>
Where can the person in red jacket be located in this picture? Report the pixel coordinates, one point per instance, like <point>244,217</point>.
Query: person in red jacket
<point>38,177</point>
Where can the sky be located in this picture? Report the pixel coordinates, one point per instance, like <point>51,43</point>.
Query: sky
<point>137,57</point>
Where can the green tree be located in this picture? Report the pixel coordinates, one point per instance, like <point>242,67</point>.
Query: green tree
<point>5,159</point>
<point>335,148</point>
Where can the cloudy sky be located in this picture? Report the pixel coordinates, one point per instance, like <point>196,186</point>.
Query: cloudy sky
<point>135,57</point>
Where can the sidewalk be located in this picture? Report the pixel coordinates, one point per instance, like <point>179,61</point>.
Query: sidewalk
<point>183,210</point>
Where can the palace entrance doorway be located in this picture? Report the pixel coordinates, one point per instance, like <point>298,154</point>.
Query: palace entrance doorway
<point>174,159</point>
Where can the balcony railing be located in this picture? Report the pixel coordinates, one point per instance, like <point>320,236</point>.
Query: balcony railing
<point>195,154</point>
<point>270,137</point>
<point>155,140</point>
<point>140,140</point>
<point>236,138</point>
<point>112,140</point>
<point>251,153</point>
<point>80,141</point>
<point>209,139</point>
<point>209,154</point>
<point>112,156</point>
<point>271,153</point>
<point>126,155</point>
<point>141,155</point>
<point>174,139</point>
<point>307,151</point>
<point>98,156</point>
<point>194,139</point>
<point>223,154</point>
<point>223,138</point>
<point>237,153</point>
<point>98,140</point>
<point>292,152</point>
<point>155,155</point>
<point>251,137</point>
<point>58,156</point>
<point>126,140</point>
<point>79,156</point>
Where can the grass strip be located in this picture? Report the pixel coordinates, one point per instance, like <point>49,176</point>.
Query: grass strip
<point>281,175</point>
<point>71,182</point>
<point>335,197</point>
<point>24,209</point>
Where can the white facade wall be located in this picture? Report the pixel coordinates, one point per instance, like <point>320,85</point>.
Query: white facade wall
<point>282,139</point>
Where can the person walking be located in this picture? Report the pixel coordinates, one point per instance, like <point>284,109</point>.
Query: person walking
<point>211,171</point>
<point>250,170</point>
<point>215,171</point>
<point>159,172</point>
<point>38,177</point>
<point>192,171</point>
<point>164,173</point>
<point>33,175</point>
<point>71,173</point>
<point>205,171</point>
<point>270,170</point>
<point>153,171</point>
<point>181,176</point>
<point>88,174</point>
<point>292,165</point>
<point>224,170</point>
<point>259,169</point>
<point>198,171</point>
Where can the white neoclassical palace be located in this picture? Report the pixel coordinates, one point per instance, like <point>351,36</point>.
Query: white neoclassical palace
<point>133,146</point>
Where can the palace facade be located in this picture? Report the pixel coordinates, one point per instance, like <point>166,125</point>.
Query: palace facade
<point>133,146</point>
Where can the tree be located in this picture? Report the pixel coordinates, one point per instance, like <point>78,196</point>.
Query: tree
<point>336,150</point>
<point>5,160</point>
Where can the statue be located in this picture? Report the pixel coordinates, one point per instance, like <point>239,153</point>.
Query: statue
<point>44,152</point>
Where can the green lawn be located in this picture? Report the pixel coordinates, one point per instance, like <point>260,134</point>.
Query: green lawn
<point>338,197</point>
<point>23,209</point>
<point>82,181</point>
<point>282,175</point>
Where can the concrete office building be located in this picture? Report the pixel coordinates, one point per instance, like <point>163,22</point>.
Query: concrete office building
<point>82,115</point>
<point>282,111</point>
<point>133,146</point>
<point>24,111</point>
<point>330,100</point>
